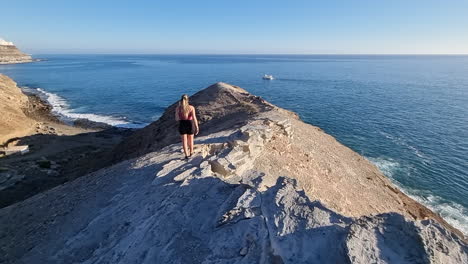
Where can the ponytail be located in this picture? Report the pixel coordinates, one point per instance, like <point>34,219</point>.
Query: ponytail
<point>184,106</point>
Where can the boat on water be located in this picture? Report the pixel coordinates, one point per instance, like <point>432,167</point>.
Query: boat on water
<point>267,77</point>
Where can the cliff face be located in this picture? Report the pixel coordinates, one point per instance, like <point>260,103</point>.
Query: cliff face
<point>13,108</point>
<point>20,113</point>
<point>10,54</point>
<point>264,188</point>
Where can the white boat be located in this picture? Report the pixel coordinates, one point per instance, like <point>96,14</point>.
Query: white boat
<point>267,77</point>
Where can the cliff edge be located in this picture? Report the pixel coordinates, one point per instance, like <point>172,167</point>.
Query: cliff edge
<point>262,187</point>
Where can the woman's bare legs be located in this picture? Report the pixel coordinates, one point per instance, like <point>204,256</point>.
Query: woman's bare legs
<point>184,144</point>
<point>190,143</point>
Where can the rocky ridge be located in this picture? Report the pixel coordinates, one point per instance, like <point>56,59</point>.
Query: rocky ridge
<point>10,54</point>
<point>219,107</point>
<point>220,207</point>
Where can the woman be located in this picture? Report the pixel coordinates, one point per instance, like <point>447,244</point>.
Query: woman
<point>188,124</point>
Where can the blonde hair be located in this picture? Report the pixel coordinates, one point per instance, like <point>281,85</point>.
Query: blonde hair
<point>184,106</point>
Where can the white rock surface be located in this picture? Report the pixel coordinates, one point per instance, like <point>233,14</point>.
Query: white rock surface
<point>15,150</point>
<point>162,209</point>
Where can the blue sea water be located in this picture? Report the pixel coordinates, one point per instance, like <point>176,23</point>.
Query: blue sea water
<point>406,114</point>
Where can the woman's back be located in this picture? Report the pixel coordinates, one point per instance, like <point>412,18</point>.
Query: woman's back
<point>183,116</point>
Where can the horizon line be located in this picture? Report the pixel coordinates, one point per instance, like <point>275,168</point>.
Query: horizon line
<point>277,54</point>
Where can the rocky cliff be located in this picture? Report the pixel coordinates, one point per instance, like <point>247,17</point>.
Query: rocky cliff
<point>10,54</point>
<point>21,114</point>
<point>14,109</point>
<point>262,187</point>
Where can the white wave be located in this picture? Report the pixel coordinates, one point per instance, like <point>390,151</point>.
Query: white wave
<point>386,166</point>
<point>455,214</point>
<point>61,108</point>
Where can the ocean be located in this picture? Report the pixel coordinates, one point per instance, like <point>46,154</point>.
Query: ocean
<point>406,114</point>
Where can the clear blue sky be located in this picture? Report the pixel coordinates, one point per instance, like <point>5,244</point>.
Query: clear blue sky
<point>221,26</point>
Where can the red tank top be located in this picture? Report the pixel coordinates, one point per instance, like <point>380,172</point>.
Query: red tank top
<point>183,117</point>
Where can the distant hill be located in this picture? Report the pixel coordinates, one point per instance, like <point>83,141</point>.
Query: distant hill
<point>10,54</point>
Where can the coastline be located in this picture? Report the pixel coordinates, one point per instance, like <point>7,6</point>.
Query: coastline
<point>39,98</point>
<point>42,111</point>
<point>453,213</point>
<point>60,108</point>
<point>21,61</point>
<point>15,62</point>
<point>58,151</point>
<point>450,211</point>
<point>406,204</point>
<point>10,54</point>
<point>259,177</point>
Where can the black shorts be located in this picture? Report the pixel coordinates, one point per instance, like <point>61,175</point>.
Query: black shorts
<point>185,127</point>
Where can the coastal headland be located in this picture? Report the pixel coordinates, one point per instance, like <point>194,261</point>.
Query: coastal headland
<point>10,54</point>
<point>262,187</point>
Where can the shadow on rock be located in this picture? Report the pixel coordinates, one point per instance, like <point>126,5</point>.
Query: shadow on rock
<point>53,160</point>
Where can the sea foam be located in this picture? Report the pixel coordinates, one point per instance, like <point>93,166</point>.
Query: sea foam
<point>455,214</point>
<point>61,108</point>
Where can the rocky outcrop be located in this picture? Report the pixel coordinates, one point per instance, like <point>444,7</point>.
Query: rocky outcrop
<point>9,54</point>
<point>227,204</point>
<point>220,106</point>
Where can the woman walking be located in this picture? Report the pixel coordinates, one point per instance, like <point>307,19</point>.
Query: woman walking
<point>188,124</point>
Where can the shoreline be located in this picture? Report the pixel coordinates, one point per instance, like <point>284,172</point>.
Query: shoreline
<point>21,62</point>
<point>56,117</point>
<point>451,211</point>
<point>58,151</point>
<point>60,108</point>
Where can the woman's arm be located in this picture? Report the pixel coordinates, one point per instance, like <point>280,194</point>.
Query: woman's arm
<point>195,121</point>
<point>177,113</point>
